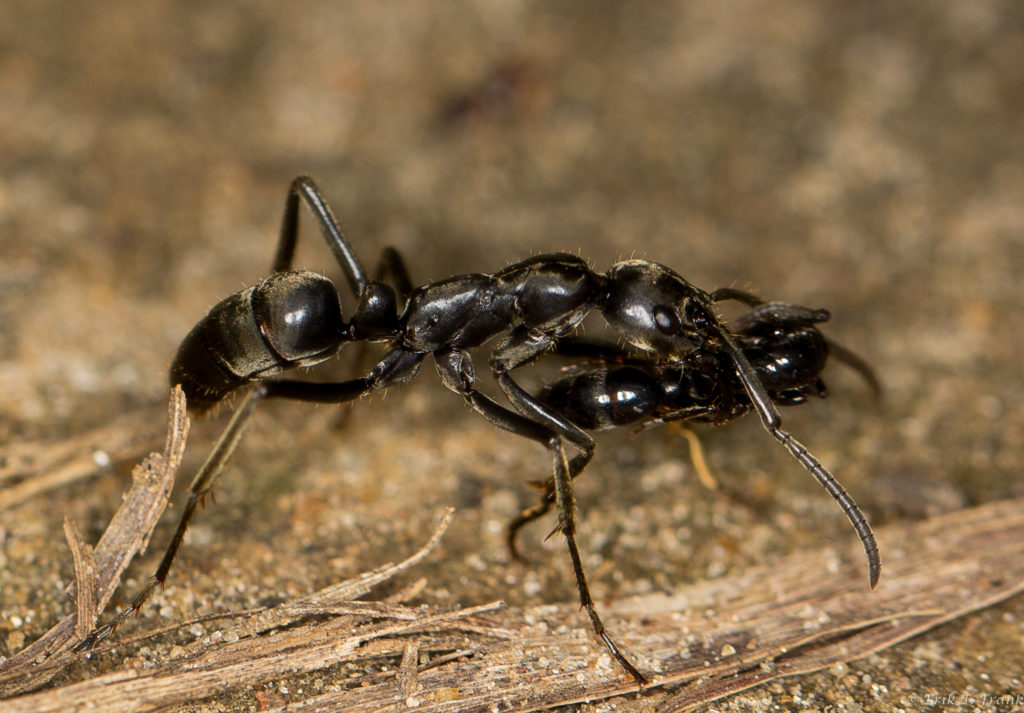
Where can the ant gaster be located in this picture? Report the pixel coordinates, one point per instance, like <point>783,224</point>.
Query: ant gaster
<point>294,318</point>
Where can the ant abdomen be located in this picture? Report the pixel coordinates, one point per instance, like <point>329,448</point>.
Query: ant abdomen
<point>605,398</point>
<point>290,319</point>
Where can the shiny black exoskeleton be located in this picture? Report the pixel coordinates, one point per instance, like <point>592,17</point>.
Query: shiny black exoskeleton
<point>295,318</point>
<point>618,388</point>
<point>785,349</point>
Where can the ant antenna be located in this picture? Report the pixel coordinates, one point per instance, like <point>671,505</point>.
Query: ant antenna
<point>772,423</point>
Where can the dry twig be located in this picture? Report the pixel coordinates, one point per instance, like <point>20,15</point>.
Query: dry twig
<point>127,534</point>
<point>703,642</point>
<point>711,639</point>
<point>30,469</point>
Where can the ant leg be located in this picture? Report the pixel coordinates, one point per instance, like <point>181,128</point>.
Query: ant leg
<point>547,499</point>
<point>397,367</point>
<point>214,465</point>
<point>456,371</point>
<point>391,263</point>
<point>562,491</point>
<point>304,187</point>
<point>562,494</point>
<point>537,412</point>
<point>455,368</point>
<point>519,348</point>
<point>200,486</point>
<point>526,517</point>
<point>567,524</point>
<point>778,313</point>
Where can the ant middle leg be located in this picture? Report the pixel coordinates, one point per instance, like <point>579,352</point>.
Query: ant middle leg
<point>562,496</point>
<point>519,348</point>
<point>457,374</point>
<point>535,421</point>
<point>565,501</point>
<point>579,348</point>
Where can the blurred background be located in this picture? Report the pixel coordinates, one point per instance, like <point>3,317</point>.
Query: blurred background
<point>866,158</point>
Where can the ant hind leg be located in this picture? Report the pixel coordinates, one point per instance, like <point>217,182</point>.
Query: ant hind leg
<point>198,489</point>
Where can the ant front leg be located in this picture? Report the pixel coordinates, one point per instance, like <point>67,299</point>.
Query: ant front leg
<point>547,499</point>
<point>456,372</point>
<point>522,351</point>
<point>565,501</point>
<point>772,422</point>
<point>846,502</point>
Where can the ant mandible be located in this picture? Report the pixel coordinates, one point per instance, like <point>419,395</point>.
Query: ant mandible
<point>294,319</point>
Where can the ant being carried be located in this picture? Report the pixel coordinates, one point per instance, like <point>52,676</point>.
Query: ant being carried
<point>294,319</point>
<point>619,388</point>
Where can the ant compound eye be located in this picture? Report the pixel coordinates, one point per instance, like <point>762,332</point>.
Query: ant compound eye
<point>666,319</point>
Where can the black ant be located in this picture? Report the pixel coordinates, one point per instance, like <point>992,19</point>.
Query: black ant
<point>294,318</point>
<point>781,341</point>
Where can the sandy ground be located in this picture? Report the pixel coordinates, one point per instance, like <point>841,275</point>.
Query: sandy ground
<point>867,159</point>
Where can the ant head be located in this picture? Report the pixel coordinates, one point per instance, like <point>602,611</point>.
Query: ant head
<point>785,348</point>
<point>655,309</point>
